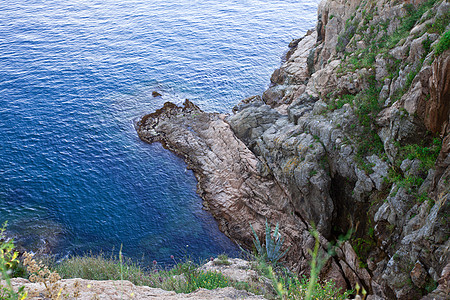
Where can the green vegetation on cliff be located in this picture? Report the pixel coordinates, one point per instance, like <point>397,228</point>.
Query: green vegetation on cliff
<point>367,103</point>
<point>444,43</point>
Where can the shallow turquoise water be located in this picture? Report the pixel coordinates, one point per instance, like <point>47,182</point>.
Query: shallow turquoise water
<point>75,75</point>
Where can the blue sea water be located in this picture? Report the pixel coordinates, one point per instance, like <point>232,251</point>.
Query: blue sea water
<point>76,75</point>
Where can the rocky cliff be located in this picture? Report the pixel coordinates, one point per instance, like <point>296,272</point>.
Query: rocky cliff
<point>352,136</point>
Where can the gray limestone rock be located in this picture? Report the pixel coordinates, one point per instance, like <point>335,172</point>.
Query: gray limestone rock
<point>380,172</point>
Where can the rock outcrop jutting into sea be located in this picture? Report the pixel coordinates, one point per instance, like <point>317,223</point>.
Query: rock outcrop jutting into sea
<point>352,136</point>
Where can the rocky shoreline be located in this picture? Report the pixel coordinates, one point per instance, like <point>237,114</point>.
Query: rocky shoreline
<point>352,136</point>
<point>237,189</point>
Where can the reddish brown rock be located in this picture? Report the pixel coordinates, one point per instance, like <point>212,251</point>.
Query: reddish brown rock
<point>419,275</point>
<point>230,181</point>
<point>437,108</point>
<point>156,94</point>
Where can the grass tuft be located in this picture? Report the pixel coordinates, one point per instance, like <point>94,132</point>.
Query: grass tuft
<point>443,44</point>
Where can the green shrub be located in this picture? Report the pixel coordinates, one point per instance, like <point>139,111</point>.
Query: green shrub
<point>439,25</point>
<point>410,77</point>
<point>367,109</point>
<point>426,154</point>
<point>222,260</point>
<point>326,290</point>
<point>414,14</point>
<point>8,261</point>
<point>207,280</point>
<point>426,46</point>
<point>340,102</point>
<point>443,44</point>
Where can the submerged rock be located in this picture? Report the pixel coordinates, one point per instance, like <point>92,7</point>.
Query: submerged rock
<point>38,236</point>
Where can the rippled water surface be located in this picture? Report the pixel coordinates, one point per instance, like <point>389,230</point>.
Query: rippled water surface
<point>75,75</point>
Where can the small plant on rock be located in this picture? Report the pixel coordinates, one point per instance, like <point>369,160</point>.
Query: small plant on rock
<point>287,285</point>
<point>222,260</point>
<point>271,250</point>
<point>8,258</point>
<point>444,43</point>
<point>207,280</point>
<point>41,273</point>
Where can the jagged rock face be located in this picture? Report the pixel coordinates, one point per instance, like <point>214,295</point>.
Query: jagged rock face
<point>290,80</point>
<point>293,138</point>
<point>306,152</point>
<point>284,148</point>
<point>235,185</point>
<point>436,111</point>
<point>333,14</point>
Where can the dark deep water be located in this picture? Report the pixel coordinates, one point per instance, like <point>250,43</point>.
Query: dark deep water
<point>74,75</point>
